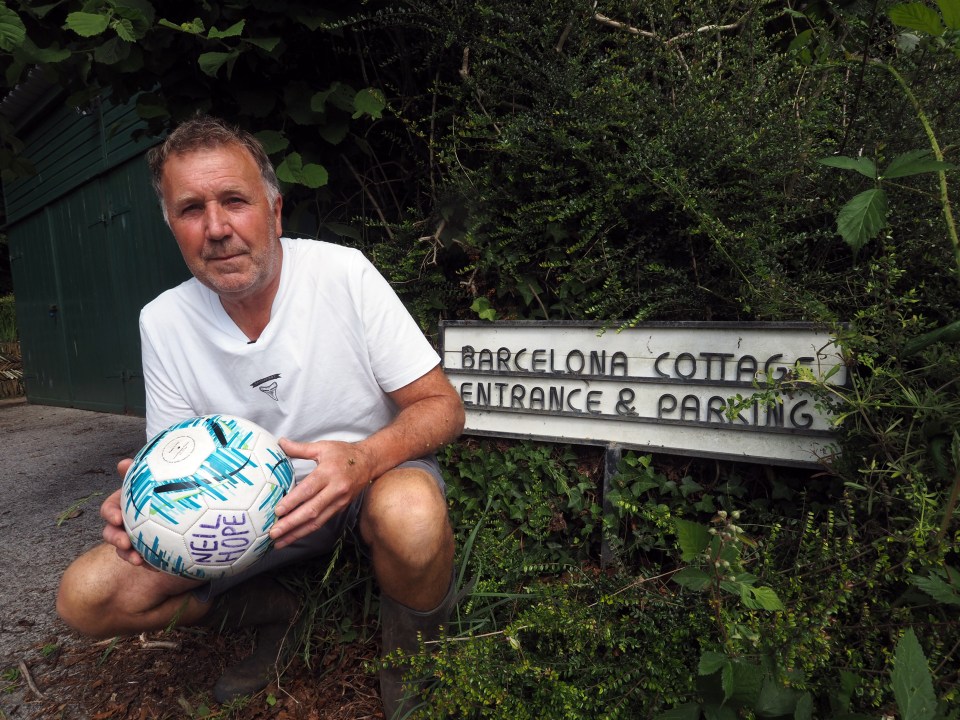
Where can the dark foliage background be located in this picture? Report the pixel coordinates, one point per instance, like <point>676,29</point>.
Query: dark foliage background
<point>628,161</point>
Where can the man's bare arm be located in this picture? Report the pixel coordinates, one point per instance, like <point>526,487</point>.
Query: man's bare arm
<point>430,415</point>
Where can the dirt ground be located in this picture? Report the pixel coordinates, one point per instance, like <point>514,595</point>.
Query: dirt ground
<point>56,466</point>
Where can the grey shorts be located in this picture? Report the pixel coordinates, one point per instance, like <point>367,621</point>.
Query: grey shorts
<point>318,543</point>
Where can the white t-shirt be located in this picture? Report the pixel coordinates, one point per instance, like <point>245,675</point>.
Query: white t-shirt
<point>338,339</point>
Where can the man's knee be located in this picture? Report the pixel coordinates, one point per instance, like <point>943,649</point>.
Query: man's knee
<point>405,513</point>
<point>82,599</point>
<point>102,595</point>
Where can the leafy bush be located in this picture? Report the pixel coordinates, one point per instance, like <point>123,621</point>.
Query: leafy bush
<point>584,646</point>
<point>535,492</point>
<point>794,603</point>
<point>693,191</point>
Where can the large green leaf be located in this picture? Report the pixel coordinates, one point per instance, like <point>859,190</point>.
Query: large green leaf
<point>30,54</point>
<point>211,62</point>
<point>917,16</point>
<point>267,44</point>
<point>862,218</point>
<point>948,333</point>
<point>721,712</point>
<point>801,41</point>
<point>316,18</point>
<point>742,682</point>
<point>40,11</point>
<point>863,165</point>
<point>150,106</point>
<point>13,167</point>
<point>138,12</point>
<point>764,598</point>
<point>313,175</point>
<point>273,141</point>
<point>951,13</point>
<point>112,51</point>
<point>12,30</point>
<point>293,170</point>
<point>804,708</point>
<point>52,54</point>
<point>936,587</point>
<point>339,95</point>
<point>912,683</point>
<point>342,230</point>
<point>693,538</point>
<point>691,578</point>
<point>369,101</point>
<point>767,598</point>
<point>914,163</point>
<point>775,700</point>
<point>333,132</point>
<point>711,661</point>
<point>233,31</point>
<point>124,29</point>
<point>87,24</point>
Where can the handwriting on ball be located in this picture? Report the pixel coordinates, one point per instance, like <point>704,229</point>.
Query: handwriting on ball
<point>222,538</point>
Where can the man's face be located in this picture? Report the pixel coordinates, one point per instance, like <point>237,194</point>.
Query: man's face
<point>223,221</point>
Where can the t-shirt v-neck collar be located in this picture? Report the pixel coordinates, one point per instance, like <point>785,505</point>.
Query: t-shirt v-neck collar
<point>223,321</point>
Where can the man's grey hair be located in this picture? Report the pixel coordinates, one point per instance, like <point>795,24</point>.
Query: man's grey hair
<point>204,132</point>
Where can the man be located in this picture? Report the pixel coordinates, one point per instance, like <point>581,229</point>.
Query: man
<point>306,339</point>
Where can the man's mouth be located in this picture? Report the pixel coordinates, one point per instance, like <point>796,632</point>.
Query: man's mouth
<point>222,257</point>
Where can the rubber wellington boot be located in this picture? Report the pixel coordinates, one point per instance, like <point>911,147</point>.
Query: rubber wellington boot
<point>264,604</point>
<point>403,628</point>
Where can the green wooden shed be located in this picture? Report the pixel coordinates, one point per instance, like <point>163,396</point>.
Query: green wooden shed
<point>88,248</point>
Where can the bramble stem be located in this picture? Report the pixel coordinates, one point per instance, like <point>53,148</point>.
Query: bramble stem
<point>938,154</point>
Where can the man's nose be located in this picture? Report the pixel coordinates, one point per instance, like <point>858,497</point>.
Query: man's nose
<point>216,221</point>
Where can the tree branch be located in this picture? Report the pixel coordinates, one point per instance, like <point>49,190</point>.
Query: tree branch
<point>609,22</point>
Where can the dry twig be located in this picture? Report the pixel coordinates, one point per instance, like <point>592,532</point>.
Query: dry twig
<point>150,644</point>
<point>29,679</point>
<point>370,197</point>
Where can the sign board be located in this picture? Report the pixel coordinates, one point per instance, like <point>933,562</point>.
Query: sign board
<point>684,388</point>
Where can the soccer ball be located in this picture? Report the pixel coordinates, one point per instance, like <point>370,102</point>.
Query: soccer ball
<point>199,498</point>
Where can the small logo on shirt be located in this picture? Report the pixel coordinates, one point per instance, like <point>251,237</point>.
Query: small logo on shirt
<point>268,386</point>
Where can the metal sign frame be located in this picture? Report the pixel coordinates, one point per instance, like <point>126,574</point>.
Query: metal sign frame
<point>659,387</point>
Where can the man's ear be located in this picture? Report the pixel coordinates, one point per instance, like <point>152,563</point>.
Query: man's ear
<point>278,214</point>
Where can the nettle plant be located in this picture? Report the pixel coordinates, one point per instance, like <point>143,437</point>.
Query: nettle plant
<point>717,565</point>
<point>732,683</point>
<point>865,215</point>
<point>727,681</point>
<point>731,686</point>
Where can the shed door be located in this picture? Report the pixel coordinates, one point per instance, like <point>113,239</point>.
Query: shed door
<point>36,273</point>
<point>89,249</point>
<point>91,260</point>
<point>78,222</point>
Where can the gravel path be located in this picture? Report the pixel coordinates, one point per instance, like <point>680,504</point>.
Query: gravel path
<point>56,466</point>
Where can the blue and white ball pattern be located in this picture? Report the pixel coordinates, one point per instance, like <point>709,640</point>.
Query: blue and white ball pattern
<point>199,499</point>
